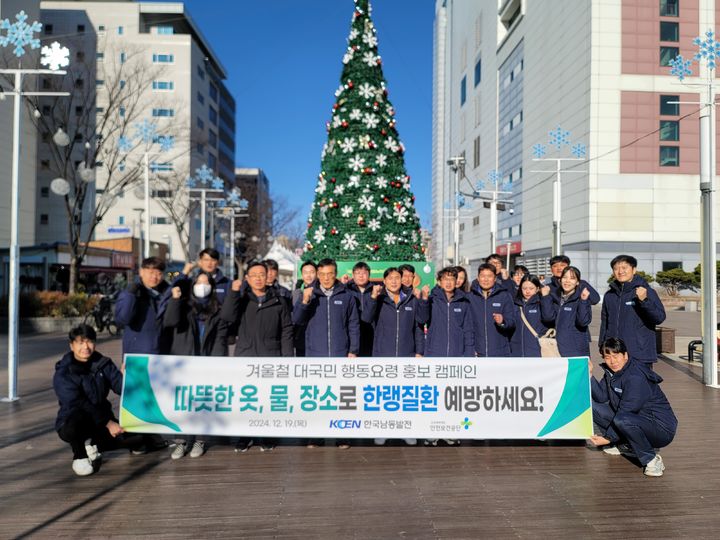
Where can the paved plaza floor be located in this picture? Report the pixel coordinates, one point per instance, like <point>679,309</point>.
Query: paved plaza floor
<point>499,489</point>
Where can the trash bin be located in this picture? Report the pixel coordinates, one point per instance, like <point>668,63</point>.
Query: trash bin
<point>691,305</point>
<point>665,339</point>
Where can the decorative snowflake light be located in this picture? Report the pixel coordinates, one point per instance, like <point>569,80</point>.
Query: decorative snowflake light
<point>460,200</point>
<point>124,144</point>
<point>166,142</point>
<point>203,178</point>
<point>579,150</point>
<point>539,150</point>
<point>680,67</point>
<point>20,34</point>
<point>559,137</point>
<point>709,48</point>
<point>55,56</point>
<point>145,131</point>
<point>217,183</point>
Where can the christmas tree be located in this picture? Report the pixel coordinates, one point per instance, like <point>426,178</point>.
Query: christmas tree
<point>363,209</point>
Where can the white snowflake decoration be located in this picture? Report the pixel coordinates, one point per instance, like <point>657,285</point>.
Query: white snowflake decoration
<point>401,214</point>
<point>324,151</point>
<point>390,239</point>
<point>355,114</point>
<point>348,145</point>
<point>381,160</point>
<point>319,235</point>
<point>356,163</point>
<point>354,34</point>
<point>354,181</point>
<point>391,144</point>
<point>381,182</point>
<point>382,211</point>
<point>369,58</point>
<point>348,56</point>
<point>366,202</point>
<point>322,185</point>
<point>373,224</point>
<point>366,90</point>
<point>336,122</point>
<point>414,236</point>
<point>20,34</point>
<point>364,141</point>
<point>55,56</point>
<point>370,40</point>
<point>371,121</point>
<point>348,242</point>
<point>339,189</point>
<point>346,211</point>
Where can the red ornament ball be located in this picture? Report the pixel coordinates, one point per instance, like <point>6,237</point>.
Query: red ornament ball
<point>350,84</point>
<point>335,204</point>
<point>376,247</point>
<point>332,180</point>
<point>344,123</point>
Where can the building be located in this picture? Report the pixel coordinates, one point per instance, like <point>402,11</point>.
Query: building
<point>28,134</point>
<point>507,73</point>
<point>145,61</point>
<point>255,229</point>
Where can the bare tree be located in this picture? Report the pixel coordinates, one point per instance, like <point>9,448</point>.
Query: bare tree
<point>286,222</point>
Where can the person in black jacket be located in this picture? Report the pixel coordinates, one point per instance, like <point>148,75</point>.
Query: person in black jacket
<point>82,381</point>
<point>273,270</point>
<point>262,318</point>
<point>559,263</point>
<point>198,330</point>
<point>308,271</point>
<point>361,287</point>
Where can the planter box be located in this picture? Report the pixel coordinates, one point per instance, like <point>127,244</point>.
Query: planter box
<point>665,339</point>
<point>43,325</point>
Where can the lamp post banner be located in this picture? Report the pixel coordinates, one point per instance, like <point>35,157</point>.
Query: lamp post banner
<point>432,398</point>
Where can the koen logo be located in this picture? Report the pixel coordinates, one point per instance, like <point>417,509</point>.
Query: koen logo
<point>345,424</point>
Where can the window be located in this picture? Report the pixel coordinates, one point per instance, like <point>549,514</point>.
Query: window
<point>165,30</point>
<point>212,138</point>
<point>122,84</point>
<point>200,98</point>
<point>476,221</point>
<point>668,8</point>
<point>478,71</point>
<point>667,54</point>
<point>669,156</point>
<point>80,28</point>
<point>48,29</point>
<point>159,220</point>
<point>476,152</point>
<point>156,139</point>
<point>45,164</point>
<point>163,58</point>
<point>212,161</point>
<point>163,113</point>
<point>159,167</point>
<point>123,57</point>
<point>121,168</point>
<point>200,147</point>
<point>121,30</point>
<point>667,108</point>
<point>213,92</point>
<point>201,72</point>
<point>100,56</point>
<point>163,85</point>
<point>45,192</point>
<point>161,193</point>
<point>212,113</point>
<point>121,110</point>
<point>80,56</point>
<point>99,82</point>
<point>669,130</point>
<point>669,31</point>
<point>200,123</point>
<point>44,219</point>
<point>462,226</point>
<point>46,110</point>
<point>77,138</point>
<point>121,220</point>
<point>46,84</point>
<point>78,111</point>
<point>671,265</point>
<point>463,91</point>
<point>101,28</point>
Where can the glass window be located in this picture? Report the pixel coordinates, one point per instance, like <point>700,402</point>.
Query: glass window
<point>669,31</point>
<point>121,30</point>
<point>212,114</point>
<point>165,30</point>
<point>163,85</point>
<point>99,82</point>
<point>667,54</point>
<point>478,71</point>
<point>463,91</point>
<point>669,130</point>
<point>122,84</point>
<point>669,156</point>
<point>121,220</point>
<point>80,56</point>
<point>48,29</point>
<point>214,93</point>
<point>667,108</point>
<point>671,265</point>
<point>200,147</point>
<point>163,113</point>
<point>200,98</point>
<point>45,192</point>
<point>669,8</point>
<point>212,161</point>
<point>101,28</point>
<point>163,58</point>
<point>122,111</point>
<point>212,138</point>
<point>200,123</point>
<point>44,219</point>
<point>200,72</point>
<point>123,57</point>
<point>100,56</point>
<point>80,28</point>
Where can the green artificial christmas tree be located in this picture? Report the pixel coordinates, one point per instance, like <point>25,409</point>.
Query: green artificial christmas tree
<point>363,209</point>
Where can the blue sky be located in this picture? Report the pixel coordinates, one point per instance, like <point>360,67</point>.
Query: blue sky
<point>284,60</point>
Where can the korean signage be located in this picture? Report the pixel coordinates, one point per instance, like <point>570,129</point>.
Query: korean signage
<point>515,248</point>
<point>448,398</point>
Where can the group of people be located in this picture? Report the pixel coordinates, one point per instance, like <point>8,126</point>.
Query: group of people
<point>203,313</point>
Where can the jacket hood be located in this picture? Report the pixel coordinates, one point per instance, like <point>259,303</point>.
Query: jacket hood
<point>385,297</point>
<point>634,283</point>
<point>351,286</point>
<point>438,293</point>
<point>338,288</point>
<point>475,288</point>
<point>633,365</point>
<point>68,357</point>
<point>534,299</point>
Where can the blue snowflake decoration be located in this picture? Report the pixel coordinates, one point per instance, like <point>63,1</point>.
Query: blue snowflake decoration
<point>166,142</point>
<point>579,150</point>
<point>709,48</point>
<point>559,137</point>
<point>204,175</point>
<point>20,34</point>
<point>680,68</point>
<point>243,204</point>
<point>233,197</point>
<point>217,183</point>
<point>221,203</point>
<point>145,131</point>
<point>124,144</point>
<point>460,200</point>
<point>494,177</point>
<point>190,182</point>
<point>539,150</point>
<point>506,186</point>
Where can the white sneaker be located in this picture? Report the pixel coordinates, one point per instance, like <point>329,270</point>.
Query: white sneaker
<point>83,467</point>
<point>411,442</point>
<point>379,442</point>
<point>92,450</point>
<point>198,449</point>
<point>178,451</point>
<point>612,450</point>
<point>450,442</point>
<point>430,442</point>
<point>655,467</point>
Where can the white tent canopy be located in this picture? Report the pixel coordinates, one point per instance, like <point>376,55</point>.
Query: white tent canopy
<point>287,263</point>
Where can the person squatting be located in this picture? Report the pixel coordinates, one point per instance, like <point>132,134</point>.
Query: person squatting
<point>497,314</point>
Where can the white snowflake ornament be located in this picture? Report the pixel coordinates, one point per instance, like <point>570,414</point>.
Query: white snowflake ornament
<point>354,34</point>
<point>401,214</point>
<point>381,160</point>
<point>348,145</point>
<point>55,56</point>
<point>366,90</point>
<point>390,239</point>
<point>370,59</point>
<point>370,40</point>
<point>354,181</point>
<point>356,163</point>
<point>366,202</point>
<point>349,243</point>
<point>319,235</point>
<point>346,211</point>
<point>339,189</point>
<point>381,182</point>
<point>373,224</point>
<point>355,114</point>
<point>371,121</point>
<point>322,185</point>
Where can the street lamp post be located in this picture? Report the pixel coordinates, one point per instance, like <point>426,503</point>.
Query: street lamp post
<point>204,182</point>
<point>20,34</point>
<point>230,209</point>
<point>495,199</point>
<point>456,163</point>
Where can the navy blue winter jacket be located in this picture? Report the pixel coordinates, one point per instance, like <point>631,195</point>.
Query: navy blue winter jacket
<point>84,386</point>
<point>625,317</point>
<point>450,325</point>
<point>635,389</point>
<point>141,314</point>
<point>492,339</point>
<point>366,328</point>
<point>571,321</point>
<point>333,324</point>
<point>397,327</point>
<point>522,342</point>
<point>555,288</point>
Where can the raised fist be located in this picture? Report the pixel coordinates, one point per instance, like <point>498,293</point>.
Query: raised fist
<point>425,292</point>
<point>236,284</point>
<point>585,294</point>
<point>176,293</point>
<point>307,295</point>
<point>498,318</point>
<point>376,291</point>
<point>641,293</point>
<point>188,268</point>
<point>344,279</point>
<point>545,290</point>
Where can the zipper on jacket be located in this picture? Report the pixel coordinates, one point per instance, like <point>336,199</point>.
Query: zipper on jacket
<point>397,331</point>
<point>448,330</point>
<point>487,336</point>
<point>617,319</point>
<point>328,325</point>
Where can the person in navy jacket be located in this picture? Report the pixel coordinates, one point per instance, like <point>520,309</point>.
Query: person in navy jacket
<point>208,261</point>
<point>396,317</point>
<point>503,274</point>
<point>523,343</point>
<point>492,309</point>
<point>631,310</point>
<point>361,288</point>
<point>571,312</point>
<point>450,322</point>
<point>140,308</point>
<point>557,265</point>
<point>82,381</point>
<point>630,409</point>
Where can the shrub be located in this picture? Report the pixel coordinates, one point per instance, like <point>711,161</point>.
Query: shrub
<point>51,304</point>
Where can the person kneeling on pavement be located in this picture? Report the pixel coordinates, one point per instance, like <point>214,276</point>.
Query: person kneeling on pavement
<point>630,411</point>
<point>82,381</point>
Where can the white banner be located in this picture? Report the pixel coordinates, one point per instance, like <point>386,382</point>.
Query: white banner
<point>433,398</point>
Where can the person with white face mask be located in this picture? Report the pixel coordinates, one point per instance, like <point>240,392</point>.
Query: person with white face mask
<point>198,330</point>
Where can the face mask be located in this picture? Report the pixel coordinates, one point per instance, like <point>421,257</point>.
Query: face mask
<point>201,290</point>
